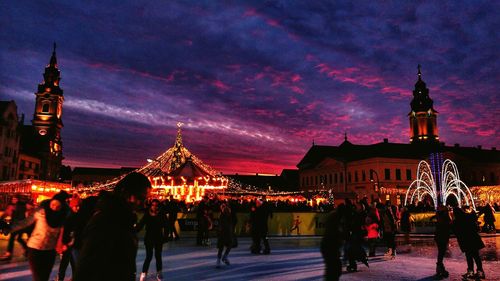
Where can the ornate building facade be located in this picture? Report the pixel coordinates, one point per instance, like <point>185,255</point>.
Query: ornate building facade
<point>385,170</point>
<point>9,140</point>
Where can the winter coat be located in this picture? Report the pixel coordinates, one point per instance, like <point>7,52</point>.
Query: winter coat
<point>443,226</point>
<point>389,221</point>
<point>334,233</point>
<point>155,227</point>
<point>43,237</point>
<point>225,234</point>
<point>372,230</point>
<point>406,220</point>
<point>258,219</point>
<point>467,231</point>
<point>109,243</point>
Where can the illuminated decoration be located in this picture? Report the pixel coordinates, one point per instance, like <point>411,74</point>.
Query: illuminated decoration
<point>176,172</point>
<point>180,173</point>
<point>36,189</point>
<point>486,194</point>
<point>449,184</point>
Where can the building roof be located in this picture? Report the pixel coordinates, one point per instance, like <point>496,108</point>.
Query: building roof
<point>348,152</point>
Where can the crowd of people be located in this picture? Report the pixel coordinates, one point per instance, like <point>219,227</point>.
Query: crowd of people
<point>97,236</point>
<point>352,227</point>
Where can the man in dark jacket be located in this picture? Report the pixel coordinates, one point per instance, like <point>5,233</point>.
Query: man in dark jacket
<point>332,241</point>
<point>259,214</point>
<point>109,241</point>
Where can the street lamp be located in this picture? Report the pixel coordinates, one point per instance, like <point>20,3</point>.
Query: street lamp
<point>377,183</point>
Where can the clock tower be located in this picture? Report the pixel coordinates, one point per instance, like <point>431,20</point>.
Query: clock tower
<point>47,122</point>
<point>423,117</point>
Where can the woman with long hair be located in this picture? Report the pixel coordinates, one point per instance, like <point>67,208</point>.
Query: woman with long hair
<point>225,234</point>
<point>156,230</point>
<point>48,221</point>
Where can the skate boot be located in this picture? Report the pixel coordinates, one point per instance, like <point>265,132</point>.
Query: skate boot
<point>480,274</point>
<point>469,275</point>
<point>352,268</point>
<point>159,276</point>
<point>143,277</point>
<point>225,260</point>
<point>441,273</point>
<point>365,262</point>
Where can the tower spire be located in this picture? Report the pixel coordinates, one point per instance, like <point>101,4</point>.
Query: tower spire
<point>419,72</point>
<point>345,136</point>
<point>53,59</point>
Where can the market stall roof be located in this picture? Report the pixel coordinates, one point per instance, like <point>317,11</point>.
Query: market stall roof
<point>177,161</point>
<point>189,170</point>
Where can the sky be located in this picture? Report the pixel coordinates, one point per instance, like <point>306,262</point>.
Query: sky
<point>253,82</point>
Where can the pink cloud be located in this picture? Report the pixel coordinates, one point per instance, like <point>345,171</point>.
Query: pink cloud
<point>296,78</point>
<point>250,13</point>
<point>220,85</point>
<point>350,97</point>
<point>362,76</point>
<point>297,90</point>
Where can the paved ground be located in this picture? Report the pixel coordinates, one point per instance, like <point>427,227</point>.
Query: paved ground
<point>292,258</point>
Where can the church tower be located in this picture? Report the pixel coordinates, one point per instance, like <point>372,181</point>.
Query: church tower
<point>47,121</point>
<point>423,117</point>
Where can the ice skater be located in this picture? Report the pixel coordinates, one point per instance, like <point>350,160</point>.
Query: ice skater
<point>225,234</point>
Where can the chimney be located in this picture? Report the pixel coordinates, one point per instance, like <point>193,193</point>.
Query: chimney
<point>457,145</point>
<point>386,140</point>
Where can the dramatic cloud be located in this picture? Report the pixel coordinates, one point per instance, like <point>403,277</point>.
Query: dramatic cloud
<point>254,82</point>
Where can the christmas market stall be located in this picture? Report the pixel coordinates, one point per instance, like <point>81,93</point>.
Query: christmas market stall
<point>33,190</point>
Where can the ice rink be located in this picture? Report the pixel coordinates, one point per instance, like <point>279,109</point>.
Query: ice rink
<point>292,258</point>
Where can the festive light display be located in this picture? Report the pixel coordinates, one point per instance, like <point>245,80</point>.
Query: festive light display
<point>179,173</point>
<point>36,189</point>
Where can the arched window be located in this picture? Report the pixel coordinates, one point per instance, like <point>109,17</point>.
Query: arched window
<point>45,108</point>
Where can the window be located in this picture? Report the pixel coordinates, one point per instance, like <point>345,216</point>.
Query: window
<point>492,177</point>
<point>335,178</point>
<point>341,177</point>
<point>398,174</point>
<point>387,173</point>
<point>349,178</point>
<point>363,176</point>
<point>331,181</point>
<point>45,108</point>
<point>356,176</point>
<point>316,180</point>
<point>408,174</point>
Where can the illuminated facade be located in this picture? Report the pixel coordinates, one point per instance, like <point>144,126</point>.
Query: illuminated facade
<point>47,120</point>
<point>423,117</point>
<point>385,170</point>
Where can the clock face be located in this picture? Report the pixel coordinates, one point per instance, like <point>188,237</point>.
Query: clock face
<point>42,132</point>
